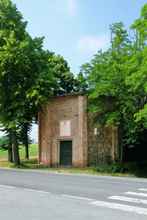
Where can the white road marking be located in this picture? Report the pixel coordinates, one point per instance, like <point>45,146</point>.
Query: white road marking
<point>136,194</point>
<point>7,187</point>
<point>26,189</point>
<point>77,197</point>
<point>128,199</point>
<point>46,192</point>
<point>117,206</point>
<point>37,191</point>
<point>143,189</point>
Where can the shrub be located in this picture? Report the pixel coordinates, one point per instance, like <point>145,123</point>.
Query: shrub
<point>4,143</point>
<point>112,168</point>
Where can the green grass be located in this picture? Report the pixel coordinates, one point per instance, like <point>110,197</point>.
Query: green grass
<point>33,152</point>
<point>33,164</point>
<point>116,169</point>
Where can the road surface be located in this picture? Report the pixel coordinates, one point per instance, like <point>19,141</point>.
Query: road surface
<point>35,195</point>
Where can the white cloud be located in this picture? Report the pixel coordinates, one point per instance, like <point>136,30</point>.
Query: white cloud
<point>72,7</point>
<point>91,44</point>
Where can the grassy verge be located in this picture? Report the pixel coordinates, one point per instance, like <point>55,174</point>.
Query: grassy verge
<point>33,164</point>
<point>100,170</point>
<point>116,169</point>
<point>33,152</point>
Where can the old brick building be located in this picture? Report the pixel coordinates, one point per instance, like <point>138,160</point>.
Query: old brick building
<point>68,135</point>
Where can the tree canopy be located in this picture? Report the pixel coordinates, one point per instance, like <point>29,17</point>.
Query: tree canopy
<point>29,75</point>
<point>117,80</point>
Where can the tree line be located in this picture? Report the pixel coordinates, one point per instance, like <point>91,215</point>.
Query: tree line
<point>29,76</point>
<point>117,79</point>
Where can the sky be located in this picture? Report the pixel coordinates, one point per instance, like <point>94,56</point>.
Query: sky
<point>76,29</point>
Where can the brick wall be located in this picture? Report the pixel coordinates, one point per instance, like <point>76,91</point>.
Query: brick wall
<point>102,143</point>
<point>88,148</point>
<point>73,109</point>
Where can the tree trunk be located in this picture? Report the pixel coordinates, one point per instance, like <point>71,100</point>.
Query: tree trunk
<point>27,150</point>
<point>10,155</point>
<point>121,151</point>
<point>15,150</point>
<point>26,142</point>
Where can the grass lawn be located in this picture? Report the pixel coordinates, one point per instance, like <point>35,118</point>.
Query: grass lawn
<point>33,152</point>
<point>33,164</point>
<point>113,170</point>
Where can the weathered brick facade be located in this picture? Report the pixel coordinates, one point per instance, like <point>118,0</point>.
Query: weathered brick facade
<point>102,143</point>
<point>66,118</point>
<point>60,109</point>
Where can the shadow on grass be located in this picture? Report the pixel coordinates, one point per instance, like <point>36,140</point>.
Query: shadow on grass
<point>115,169</point>
<point>31,164</point>
<point>132,168</point>
<point>141,170</point>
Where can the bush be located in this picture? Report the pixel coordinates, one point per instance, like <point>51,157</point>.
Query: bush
<point>135,168</point>
<point>4,143</point>
<point>112,168</point>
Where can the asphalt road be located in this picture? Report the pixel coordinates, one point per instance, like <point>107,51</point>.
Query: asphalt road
<point>42,195</point>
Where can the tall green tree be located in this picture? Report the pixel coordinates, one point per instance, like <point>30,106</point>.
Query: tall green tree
<point>29,75</point>
<point>66,81</point>
<point>117,81</point>
<point>23,68</point>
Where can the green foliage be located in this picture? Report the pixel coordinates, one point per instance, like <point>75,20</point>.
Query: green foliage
<point>117,80</point>
<point>33,152</point>
<point>22,61</point>
<point>25,78</point>
<point>29,75</point>
<point>63,77</point>
<point>66,82</point>
<point>112,168</point>
<point>4,142</point>
<point>133,168</point>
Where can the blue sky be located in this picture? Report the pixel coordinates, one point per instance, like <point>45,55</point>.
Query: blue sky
<point>76,29</point>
